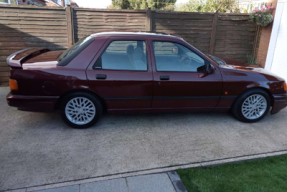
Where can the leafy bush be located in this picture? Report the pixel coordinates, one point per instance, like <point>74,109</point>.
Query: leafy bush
<point>143,4</point>
<point>263,16</point>
<point>221,6</point>
<point>251,60</point>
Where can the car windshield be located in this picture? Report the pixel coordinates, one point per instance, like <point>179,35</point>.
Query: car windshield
<point>73,48</point>
<point>216,59</point>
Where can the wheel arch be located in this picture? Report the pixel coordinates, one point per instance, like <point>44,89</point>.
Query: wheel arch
<point>253,88</point>
<point>82,91</point>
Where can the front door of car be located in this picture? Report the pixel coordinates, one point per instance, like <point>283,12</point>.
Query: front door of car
<point>121,74</point>
<point>181,80</point>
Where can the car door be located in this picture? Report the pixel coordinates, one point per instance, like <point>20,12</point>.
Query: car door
<point>121,74</point>
<point>180,78</point>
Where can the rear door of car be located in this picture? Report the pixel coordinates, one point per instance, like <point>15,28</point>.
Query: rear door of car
<point>180,80</point>
<point>121,74</point>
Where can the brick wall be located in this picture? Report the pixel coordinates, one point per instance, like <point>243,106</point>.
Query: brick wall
<point>264,39</point>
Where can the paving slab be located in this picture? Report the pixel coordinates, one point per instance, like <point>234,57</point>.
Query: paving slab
<point>72,188</point>
<point>40,149</point>
<point>148,183</point>
<point>17,190</point>
<point>114,185</point>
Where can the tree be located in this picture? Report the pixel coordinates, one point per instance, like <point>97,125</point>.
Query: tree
<point>221,6</point>
<point>119,4</point>
<point>143,4</point>
<point>191,6</point>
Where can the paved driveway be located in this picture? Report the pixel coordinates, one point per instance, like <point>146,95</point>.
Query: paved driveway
<point>38,148</point>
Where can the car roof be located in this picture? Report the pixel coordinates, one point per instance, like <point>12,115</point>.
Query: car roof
<point>155,34</point>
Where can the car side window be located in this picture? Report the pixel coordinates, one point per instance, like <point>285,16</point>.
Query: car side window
<point>170,56</point>
<point>123,55</point>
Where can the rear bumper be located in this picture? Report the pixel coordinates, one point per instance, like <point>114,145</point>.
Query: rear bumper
<point>33,103</point>
<point>280,102</point>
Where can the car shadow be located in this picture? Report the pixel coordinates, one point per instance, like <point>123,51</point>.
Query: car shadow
<point>53,121</point>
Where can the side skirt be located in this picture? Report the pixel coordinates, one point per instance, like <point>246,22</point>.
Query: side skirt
<point>165,110</point>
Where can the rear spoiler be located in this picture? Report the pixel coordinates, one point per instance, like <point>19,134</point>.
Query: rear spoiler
<point>18,58</point>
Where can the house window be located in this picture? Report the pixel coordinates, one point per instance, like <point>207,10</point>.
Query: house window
<point>5,2</point>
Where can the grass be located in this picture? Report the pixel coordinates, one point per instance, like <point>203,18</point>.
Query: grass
<point>269,174</point>
<point>251,60</point>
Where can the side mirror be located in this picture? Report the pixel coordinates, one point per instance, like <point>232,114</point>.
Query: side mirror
<point>209,68</point>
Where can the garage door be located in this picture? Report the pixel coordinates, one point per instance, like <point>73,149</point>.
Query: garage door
<point>278,64</point>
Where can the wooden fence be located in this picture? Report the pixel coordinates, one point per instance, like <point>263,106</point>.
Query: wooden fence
<point>22,27</point>
<point>224,35</point>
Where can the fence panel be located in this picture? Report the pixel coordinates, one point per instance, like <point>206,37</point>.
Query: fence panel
<point>25,26</point>
<point>87,21</point>
<point>235,36</point>
<point>195,28</point>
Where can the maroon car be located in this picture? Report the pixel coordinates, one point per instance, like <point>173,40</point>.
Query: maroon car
<point>138,72</point>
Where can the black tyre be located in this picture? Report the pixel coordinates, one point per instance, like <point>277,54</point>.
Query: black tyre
<point>81,110</point>
<point>251,106</point>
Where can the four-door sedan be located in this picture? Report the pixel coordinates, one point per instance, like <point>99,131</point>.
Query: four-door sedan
<point>138,72</point>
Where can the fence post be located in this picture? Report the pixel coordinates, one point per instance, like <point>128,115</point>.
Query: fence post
<point>213,33</point>
<point>256,41</point>
<point>148,25</point>
<point>70,25</point>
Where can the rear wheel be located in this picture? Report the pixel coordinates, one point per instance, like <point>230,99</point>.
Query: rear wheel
<point>81,110</point>
<point>251,106</point>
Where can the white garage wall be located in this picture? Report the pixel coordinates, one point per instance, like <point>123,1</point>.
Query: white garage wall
<point>276,58</point>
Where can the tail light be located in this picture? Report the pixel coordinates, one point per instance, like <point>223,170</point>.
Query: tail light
<point>285,86</point>
<point>13,84</point>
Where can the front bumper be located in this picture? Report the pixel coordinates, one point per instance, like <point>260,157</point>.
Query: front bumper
<point>33,103</point>
<point>280,102</point>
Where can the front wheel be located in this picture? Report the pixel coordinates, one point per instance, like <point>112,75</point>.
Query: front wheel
<point>81,110</point>
<point>251,106</point>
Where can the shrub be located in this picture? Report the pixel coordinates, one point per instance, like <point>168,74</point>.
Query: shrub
<point>251,60</point>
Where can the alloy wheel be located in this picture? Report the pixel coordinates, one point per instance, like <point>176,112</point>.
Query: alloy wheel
<point>80,110</point>
<point>254,106</point>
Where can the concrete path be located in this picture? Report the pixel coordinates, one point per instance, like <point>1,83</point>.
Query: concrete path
<point>38,149</point>
<point>163,182</point>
